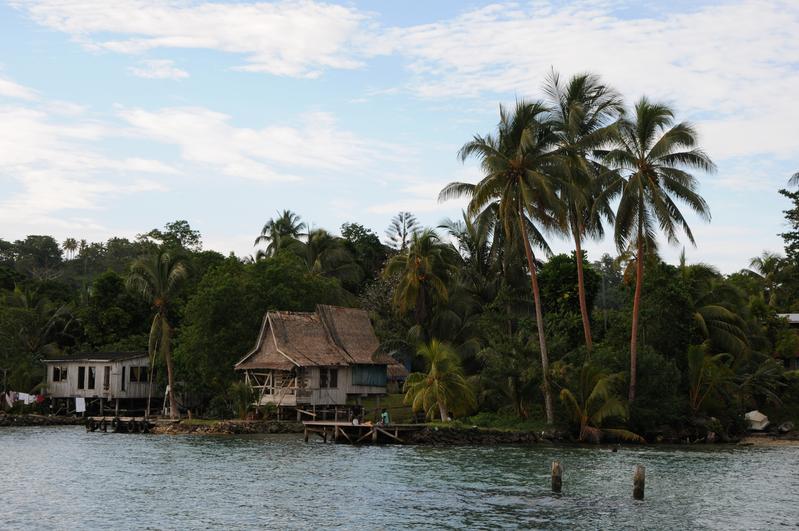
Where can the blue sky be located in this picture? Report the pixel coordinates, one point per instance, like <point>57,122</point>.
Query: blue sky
<point>117,117</point>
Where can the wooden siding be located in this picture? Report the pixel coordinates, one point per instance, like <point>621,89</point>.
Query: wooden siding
<point>69,388</point>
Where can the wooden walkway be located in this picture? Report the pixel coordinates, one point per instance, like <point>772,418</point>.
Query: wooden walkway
<point>347,432</point>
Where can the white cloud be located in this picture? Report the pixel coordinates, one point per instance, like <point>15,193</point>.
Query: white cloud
<point>158,69</point>
<point>50,166</point>
<point>290,38</point>
<point>272,153</point>
<point>731,66</point>
<point>10,89</point>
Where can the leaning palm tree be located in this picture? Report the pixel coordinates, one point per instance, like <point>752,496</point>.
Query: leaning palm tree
<point>277,231</point>
<point>157,278</point>
<point>583,116</point>
<point>423,272</point>
<point>594,402</point>
<point>443,388</point>
<point>519,187</point>
<point>654,155</point>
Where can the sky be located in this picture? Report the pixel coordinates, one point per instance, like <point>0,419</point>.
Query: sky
<point>118,117</point>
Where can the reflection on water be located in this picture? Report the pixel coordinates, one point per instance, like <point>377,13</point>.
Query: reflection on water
<point>65,478</point>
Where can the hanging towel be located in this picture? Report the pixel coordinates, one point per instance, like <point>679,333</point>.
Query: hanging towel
<point>23,397</point>
<point>30,399</point>
<point>80,404</point>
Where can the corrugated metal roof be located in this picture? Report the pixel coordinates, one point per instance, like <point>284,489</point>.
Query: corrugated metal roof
<point>98,357</point>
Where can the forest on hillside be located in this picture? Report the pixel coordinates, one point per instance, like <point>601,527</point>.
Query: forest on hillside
<point>493,325</point>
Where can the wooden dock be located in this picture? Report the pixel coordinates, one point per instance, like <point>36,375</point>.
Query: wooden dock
<point>124,424</point>
<point>347,432</point>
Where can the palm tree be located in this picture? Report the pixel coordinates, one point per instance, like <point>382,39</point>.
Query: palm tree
<point>326,255</point>
<point>443,387</point>
<point>654,155</point>
<point>594,402</point>
<point>768,268</point>
<point>518,186</point>
<point>707,374</point>
<point>157,278</point>
<point>70,245</point>
<point>583,118</point>
<point>277,230</point>
<point>402,227</point>
<point>423,272</point>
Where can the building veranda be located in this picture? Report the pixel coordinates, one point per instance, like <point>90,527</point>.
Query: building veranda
<point>314,361</point>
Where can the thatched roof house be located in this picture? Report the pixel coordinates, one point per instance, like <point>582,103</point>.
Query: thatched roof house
<point>316,358</point>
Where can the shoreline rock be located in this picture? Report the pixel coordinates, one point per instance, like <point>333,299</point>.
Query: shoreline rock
<point>39,420</point>
<point>228,427</point>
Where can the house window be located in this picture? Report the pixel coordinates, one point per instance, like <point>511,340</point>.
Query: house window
<point>106,378</point>
<point>81,377</point>
<point>124,382</point>
<point>138,374</point>
<point>328,378</point>
<point>91,378</point>
<point>59,374</point>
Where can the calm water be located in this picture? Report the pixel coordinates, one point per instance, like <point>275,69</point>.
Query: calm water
<point>65,478</point>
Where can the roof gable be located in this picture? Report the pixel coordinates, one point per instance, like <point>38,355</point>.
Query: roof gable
<point>327,337</point>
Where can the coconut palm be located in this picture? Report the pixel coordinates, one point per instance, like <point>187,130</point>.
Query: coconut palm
<point>654,155</point>
<point>326,255</point>
<point>715,308</point>
<point>70,245</point>
<point>707,374</point>
<point>583,115</point>
<point>594,402</point>
<point>443,388</point>
<point>517,186</point>
<point>277,230</point>
<point>157,278</point>
<point>768,267</point>
<point>423,272</point>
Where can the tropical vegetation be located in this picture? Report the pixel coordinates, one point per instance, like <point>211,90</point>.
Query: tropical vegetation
<point>493,326</point>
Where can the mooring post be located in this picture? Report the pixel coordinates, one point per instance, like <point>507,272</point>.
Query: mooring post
<point>306,434</point>
<point>557,476</point>
<point>639,481</point>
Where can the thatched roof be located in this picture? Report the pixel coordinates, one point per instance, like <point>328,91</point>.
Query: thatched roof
<point>330,336</point>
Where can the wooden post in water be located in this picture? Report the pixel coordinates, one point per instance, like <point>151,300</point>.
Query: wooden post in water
<point>306,434</point>
<point>557,476</point>
<point>639,481</point>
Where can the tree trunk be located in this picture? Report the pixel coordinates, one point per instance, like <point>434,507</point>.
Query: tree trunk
<point>173,404</point>
<point>539,317</point>
<point>581,293</point>
<point>442,410</point>
<point>639,279</point>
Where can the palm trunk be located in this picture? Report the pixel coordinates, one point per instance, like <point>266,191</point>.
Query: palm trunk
<point>639,279</point>
<point>442,411</point>
<point>539,317</point>
<point>173,404</point>
<point>581,292</point>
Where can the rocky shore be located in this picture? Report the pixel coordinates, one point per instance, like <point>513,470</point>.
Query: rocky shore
<point>446,436</point>
<point>227,427</point>
<point>39,420</point>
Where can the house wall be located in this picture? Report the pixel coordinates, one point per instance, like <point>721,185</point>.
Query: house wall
<point>310,392</point>
<point>69,388</point>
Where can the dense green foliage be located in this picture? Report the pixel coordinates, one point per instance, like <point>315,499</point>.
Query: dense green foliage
<point>490,322</point>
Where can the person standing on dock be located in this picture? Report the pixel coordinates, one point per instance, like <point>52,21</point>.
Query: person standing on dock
<point>385,419</point>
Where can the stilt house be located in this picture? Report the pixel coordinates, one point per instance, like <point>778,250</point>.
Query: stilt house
<point>320,358</point>
<point>102,378</point>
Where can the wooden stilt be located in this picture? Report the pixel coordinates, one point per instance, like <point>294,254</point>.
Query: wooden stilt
<point>306,434</point>
<point>557,476</point>
<point>639,482</point>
